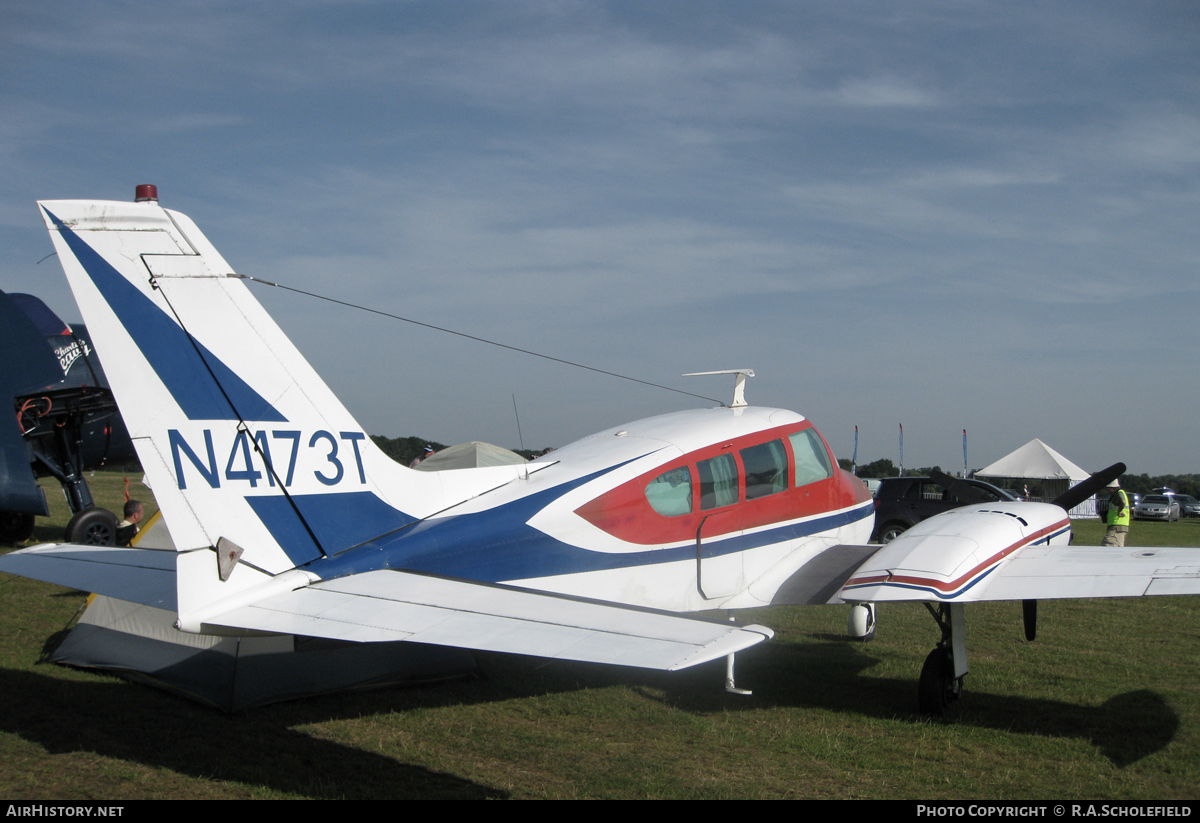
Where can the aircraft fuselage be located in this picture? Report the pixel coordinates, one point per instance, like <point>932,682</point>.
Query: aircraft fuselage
<point>710,508</point>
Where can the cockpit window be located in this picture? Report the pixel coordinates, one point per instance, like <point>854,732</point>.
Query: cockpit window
<point>670,493</point>
<point>718,482</point>
<point>812,461</point>
<point>766,469</point>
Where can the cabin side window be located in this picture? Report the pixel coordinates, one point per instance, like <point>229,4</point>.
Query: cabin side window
<point>718,482</point>
<point>766,469</point>
<point>670,494</point>
<point>812,460</point>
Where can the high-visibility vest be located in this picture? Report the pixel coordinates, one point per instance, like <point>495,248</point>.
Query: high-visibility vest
<point>1118,509</point>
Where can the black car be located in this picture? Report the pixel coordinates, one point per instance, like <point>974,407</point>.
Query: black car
<point>903,502</point>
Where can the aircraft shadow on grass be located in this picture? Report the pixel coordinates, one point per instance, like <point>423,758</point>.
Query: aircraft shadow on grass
<point>831,675</point>
<point>257,748</point>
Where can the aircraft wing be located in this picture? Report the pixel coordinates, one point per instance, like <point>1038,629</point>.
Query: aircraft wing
<point>1050,572</point>
<point>397,605</point>
<point>1014,551</point>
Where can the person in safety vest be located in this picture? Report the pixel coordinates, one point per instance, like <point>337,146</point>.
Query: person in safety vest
<point>1119,514</point>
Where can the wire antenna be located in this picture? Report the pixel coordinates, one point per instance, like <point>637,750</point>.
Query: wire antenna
<point>516,415</point>
<point>471,337</point>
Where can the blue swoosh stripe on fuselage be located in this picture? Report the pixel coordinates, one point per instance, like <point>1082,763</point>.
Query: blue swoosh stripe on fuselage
<point>499,545</point>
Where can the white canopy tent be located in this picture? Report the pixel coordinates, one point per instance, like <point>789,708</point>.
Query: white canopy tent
<point>1037,461</point>
<point>469,456</point>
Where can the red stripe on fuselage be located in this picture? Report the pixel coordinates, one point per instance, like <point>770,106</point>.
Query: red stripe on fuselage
<point>625,513</point>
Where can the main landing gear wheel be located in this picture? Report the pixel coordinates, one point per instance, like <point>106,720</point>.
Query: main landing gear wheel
<point>938,688</point>
<point>93,527</point>
<point>941,680</point>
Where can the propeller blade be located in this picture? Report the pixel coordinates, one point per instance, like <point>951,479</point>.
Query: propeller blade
<point>1029,614</point>
<point>963,491</point>
<point>1075,495</point>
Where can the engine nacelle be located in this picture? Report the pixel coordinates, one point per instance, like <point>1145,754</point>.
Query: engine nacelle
<point>949,556</point>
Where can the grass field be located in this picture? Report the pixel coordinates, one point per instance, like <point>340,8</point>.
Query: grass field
<point>1105,704</point>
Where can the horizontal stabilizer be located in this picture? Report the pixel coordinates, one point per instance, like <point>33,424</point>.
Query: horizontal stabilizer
<point>142,576</point>
<point>393,605</point>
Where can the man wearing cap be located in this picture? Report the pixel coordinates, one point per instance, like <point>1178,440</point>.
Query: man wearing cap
<point>1118,516</point>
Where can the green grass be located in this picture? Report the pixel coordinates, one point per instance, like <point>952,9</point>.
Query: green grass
<point>1105,704</point>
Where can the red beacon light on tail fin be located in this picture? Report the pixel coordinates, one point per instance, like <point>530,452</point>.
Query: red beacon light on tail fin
<point>145,193</point>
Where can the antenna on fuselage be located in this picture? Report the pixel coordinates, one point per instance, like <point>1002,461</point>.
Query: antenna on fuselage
<point>739,383</point>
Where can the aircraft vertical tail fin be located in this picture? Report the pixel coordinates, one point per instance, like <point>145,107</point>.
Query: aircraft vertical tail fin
<point>239,437</point>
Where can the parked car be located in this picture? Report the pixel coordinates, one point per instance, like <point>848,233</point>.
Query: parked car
<point>1188,505</point>
<point>903,502</point>
<point>1157,507</point>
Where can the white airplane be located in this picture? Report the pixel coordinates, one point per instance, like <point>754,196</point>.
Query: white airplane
<point>288,519</point>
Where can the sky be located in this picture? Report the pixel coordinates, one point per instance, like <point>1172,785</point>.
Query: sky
<point>946,215</point>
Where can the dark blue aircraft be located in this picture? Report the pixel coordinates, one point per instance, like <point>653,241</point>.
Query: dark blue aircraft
<point>64,421</point>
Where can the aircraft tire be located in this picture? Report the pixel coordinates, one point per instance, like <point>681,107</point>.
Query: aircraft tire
<point>16,527</point>
<point>93,527</point>
<point>938,688</point>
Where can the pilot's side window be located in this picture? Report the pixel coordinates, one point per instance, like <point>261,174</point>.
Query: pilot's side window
<point>766,469</point>
<point>670,493</point>
<point>812,461</point>
<point>718,482</point>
